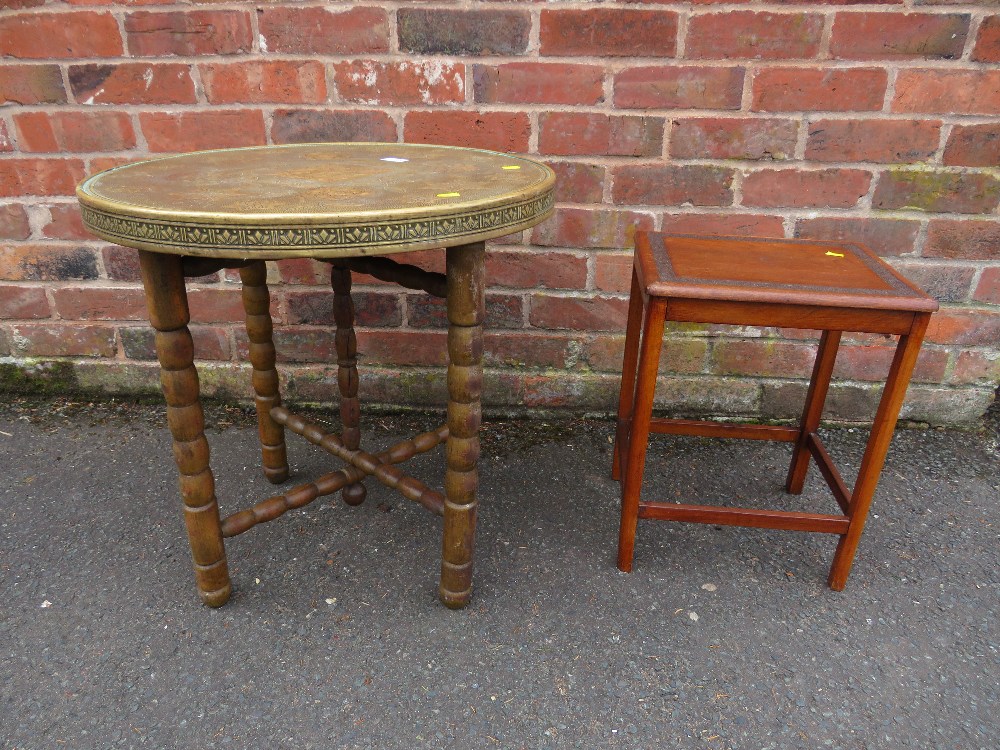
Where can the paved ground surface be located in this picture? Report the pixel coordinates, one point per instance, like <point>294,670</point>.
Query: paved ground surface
<point>721,638</point>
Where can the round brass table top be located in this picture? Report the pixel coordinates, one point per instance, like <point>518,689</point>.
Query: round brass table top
<point>317,199</point>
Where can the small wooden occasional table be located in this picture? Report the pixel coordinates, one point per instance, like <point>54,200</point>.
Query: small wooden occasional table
<point>821,286</point>
<point>198,213</point>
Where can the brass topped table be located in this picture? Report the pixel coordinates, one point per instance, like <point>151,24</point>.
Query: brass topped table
<point>198,213</point>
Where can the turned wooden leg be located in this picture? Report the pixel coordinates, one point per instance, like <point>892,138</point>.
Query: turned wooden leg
<point>347,373</point>
<point>819,385</point>
<point>257,303</point>
<point>163,279</point>
<point>633,332</point>
<point>642,413</point>
<point>878,445</point>
<point>466,279</point>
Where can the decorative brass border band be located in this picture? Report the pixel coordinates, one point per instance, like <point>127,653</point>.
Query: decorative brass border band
<point>366,238</point>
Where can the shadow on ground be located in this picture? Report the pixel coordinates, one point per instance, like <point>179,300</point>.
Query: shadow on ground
<point>721,638</point>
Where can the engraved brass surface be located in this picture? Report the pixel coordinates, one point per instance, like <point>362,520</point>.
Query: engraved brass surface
<point>318,200</point>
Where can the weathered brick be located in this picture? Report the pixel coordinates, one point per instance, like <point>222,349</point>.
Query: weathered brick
<point>379,346</point>
<point>370,308</point>
<point>974,366</point>
<point>605,353</point>
<point>323,31</point>
<point>613,272</point>
<point>303,271</point>
<point>210,343</point>
<point>973,146</point>
<point>30,262</point>
<point>502,311</point>
<point>23,302</point>
<point>31,84</point>
<point>871,363</point>
<point>988,289</point>
<point>810,89</point>
<point>93,130</point>
<point>132,83</point>
<point>523,349</point>
<point>14,222</point>
<point>538,83</point>
<point>605,32</point>
<point>62,340</point>
<point>964,328</point>
<point>882,141</point>
<point>499,131</point>
<point>732,224</point>
<point>577,182</point>
<point>317,125</point>
<point>529,269</point>
<point>583,227</point>
<point>946,192</point>
<point>284,81</point>
<point>214,305</point>
<point>39,35</point>
<point>40,176</point>
<point>814,188</point>
<point>975,239</point>
<point>405,82</point>
<point>960,92</point>
<point>679,87</point>
<point>578,313</point>
<point>121,263</point>
<point>883,236</point>
<point>761,357</point>
<point>6,144</point>
<point>945,283</point>
<point>733,138</point>
<point>574,133</point>
<point>463,32</point>
<point>746,34</point>
<point>64,222</point>
<point>100,303</point>
<point>987,47</point>
<point>672,185</point>
<point>189,131</point>
<point>885,36</point>
<point>188,32</point>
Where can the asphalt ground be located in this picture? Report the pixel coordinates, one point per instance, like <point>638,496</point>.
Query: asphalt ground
<point>720,638</point>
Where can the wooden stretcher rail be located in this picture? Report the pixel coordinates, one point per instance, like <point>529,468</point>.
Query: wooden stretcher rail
<point>722,430</point>
<point>378,466</point>
<point>761,519</point>
<point>829,471</point>
<point>404,274</point>
<point>297,497</point>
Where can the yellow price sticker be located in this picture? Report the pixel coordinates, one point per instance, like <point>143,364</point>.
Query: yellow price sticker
<point>834,255</point>
<point>448,195</point>
<point>510,166</point>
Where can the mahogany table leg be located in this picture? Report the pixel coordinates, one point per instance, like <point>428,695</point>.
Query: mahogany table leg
<point>627,393</point>
<point>878,445</point>
<point>257,303</point>
<point>347,372</point>
<point>642,413</point>
<point>466,309</point>
<point>819,385</point>
<point>163,279</point>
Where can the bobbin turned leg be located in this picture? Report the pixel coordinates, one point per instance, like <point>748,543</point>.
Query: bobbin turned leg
<point>465,381</point>
<point>257,303</point>
<point>347,372</point>
<point>163,279</point>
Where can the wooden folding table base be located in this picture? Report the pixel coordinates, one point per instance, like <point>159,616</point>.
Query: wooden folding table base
<point>461,286</point>
<point>821,286</point>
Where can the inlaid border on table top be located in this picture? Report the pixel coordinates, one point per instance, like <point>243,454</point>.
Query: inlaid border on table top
<point>358,237</point>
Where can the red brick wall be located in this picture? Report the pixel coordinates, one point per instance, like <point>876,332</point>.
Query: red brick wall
<point>878,122</point>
